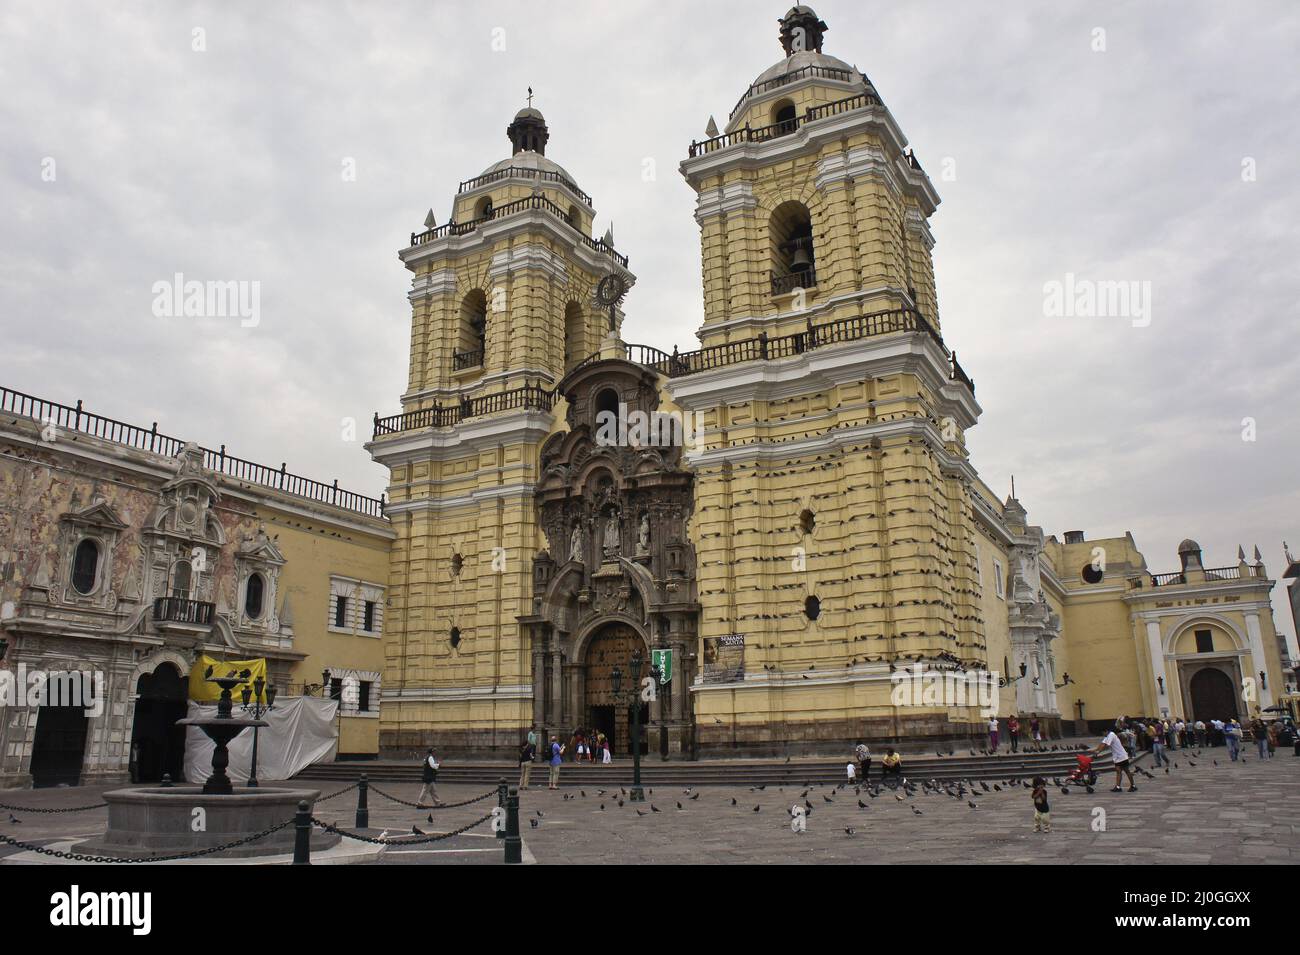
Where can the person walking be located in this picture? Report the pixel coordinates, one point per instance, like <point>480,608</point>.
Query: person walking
<point>604,750</point>
<point>1232,737</point>
<point>993,733</point>
<point>526,754</point>
<point>1198,728</point>
<point>533,739</point>
<point>1157,732</point>
<point>1034,730</point>
<point>557,756</point>
<point>1260,732</point>
<point>429,774</point>
<point>1121,758</point>
<point>1013,733</point>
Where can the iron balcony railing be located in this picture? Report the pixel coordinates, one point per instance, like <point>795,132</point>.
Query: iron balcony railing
<point>523,172</point>
<point>461,360</point>
<point>1211,573</point>
<point>76,418</point>
<point>821,72</point>
<point>182,610</point>
<point>781,284</point>
<point>529,396</point>
<point>761,134</point>
<point>680,364</point>
<point>531,203</point>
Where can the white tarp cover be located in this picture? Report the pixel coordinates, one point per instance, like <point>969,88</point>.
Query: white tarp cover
<point>302,731</point>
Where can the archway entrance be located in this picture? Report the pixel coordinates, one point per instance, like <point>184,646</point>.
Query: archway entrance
<point>1213,695</point>
<point>613,647</point>
<point>59,744</point>
<point>157,743</point>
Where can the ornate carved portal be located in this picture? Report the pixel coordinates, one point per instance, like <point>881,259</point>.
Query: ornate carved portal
<point>618,570</point>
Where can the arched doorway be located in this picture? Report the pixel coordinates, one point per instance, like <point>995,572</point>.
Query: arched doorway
<point>59,744</point>
<point>1213,695</point>
<point>157,743</point>
<point>613,647</point>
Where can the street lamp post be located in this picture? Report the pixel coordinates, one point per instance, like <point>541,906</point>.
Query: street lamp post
<point>633,700</point>
<point>254,696</point>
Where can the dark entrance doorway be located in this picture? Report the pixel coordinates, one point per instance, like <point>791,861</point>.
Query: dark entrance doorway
<point>59,745</point>
<point>613,647</point>
<point>157,743</point>
<point>1213,695</point>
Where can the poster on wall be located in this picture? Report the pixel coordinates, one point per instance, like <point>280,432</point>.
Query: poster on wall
<point>724,658</point>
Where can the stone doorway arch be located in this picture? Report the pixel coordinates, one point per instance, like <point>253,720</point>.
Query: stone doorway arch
<point>157,743</point>
<point>611,646</point>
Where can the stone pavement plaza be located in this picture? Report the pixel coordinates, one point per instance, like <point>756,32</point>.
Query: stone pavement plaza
<point>1206,814</point>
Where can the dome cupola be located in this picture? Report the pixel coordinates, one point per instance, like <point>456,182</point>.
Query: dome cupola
<point>802,31</point>
<point>528,132</point>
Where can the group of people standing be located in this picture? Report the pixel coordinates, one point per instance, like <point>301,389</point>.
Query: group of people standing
<point>1014,730</point>
<point>589,746</point>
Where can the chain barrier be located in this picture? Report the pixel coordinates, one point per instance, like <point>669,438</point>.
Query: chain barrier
<point>176,857</point>
<point>98,805</point>
<point>337,794</point>
<point>448,805</point>
<point>415,841</point>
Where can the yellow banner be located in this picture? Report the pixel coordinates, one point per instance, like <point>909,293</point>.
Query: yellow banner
<point>203,691</point>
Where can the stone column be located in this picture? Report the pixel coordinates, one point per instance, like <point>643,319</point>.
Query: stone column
<point>555,702</point>
<point>1158,676</point>
<point>1265,694</point>
<point>539,680</point>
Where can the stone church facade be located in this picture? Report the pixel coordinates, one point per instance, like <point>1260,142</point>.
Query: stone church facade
<point>784,521</point>
<point>822,527</point>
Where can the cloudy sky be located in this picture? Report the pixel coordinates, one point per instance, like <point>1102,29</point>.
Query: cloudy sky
<point>1149,142</point>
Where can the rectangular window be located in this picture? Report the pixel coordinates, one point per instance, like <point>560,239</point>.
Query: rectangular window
<point>336,689</point>
<point>368,618</point>
<point>340,611</point>
<point>979,571</point>
<point>1204,641</point>
<point>363,697</point>
<point>997,580</point>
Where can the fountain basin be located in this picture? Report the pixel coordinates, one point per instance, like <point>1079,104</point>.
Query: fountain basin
<point>162,821</point>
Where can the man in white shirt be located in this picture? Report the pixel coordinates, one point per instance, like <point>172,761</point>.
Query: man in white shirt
<point>1120,755</point>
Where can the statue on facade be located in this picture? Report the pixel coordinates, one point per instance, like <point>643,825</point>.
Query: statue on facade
<point>612,529</point>
<point>643,535</point>
<point>575,543</point>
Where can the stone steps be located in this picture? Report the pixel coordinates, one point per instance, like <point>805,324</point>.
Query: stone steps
<point>655,772</point>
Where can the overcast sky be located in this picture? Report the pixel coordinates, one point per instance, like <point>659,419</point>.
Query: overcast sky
<point>1169,157</point>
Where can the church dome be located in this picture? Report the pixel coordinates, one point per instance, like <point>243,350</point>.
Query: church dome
<point>1189,546</point>
<point>799,60</point>
<point>533,161</point>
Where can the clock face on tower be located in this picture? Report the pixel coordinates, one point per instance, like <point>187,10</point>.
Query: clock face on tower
<point>611,289</point>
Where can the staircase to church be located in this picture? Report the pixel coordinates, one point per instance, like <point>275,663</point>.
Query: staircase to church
<point>733,773</point>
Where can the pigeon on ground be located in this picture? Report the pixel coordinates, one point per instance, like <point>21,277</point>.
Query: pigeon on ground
<point>533,823</point>
<point>415,830</point>
<point>653,808</point>
<point>971,804</point>
<point>757,808</point>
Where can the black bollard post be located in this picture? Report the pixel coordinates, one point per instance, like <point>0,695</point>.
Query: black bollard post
<point>514,845</point>
<point>166,781</point>
<point>302,836</point>
<point>503,794</point>
<point>363,804</point>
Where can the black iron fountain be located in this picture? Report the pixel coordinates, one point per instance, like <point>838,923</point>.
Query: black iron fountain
<point>221,729</point>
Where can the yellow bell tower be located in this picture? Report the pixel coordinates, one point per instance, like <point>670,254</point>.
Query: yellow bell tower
<point>501,306</point>
<point>834,525</point>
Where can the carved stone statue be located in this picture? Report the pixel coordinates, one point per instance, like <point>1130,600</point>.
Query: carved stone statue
<point>575,543</point>
<point>612,535</point>
<point>643,535</point>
